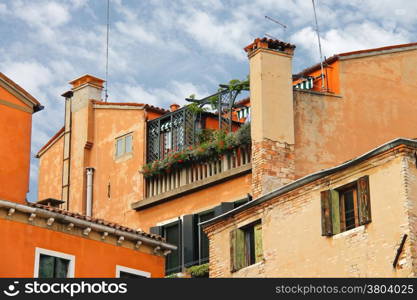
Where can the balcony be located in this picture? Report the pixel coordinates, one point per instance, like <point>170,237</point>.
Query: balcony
<point>194,176</point>
<point>191,148</point>
<point>196,173</point>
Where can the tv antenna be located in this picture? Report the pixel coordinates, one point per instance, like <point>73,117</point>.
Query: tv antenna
<point>279,23</point>
<point>106,95</point>
<point>319,42</point>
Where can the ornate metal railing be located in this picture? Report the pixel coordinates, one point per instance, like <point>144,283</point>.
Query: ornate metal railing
<point>170,133</point>
<point>176,179</point>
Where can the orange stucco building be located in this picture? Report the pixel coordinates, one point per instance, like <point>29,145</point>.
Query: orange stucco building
<point>298,126</point>
<point>41,240</point>
<point>16,109</point>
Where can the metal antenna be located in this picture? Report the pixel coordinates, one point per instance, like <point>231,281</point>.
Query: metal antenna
<point>106,95</point>
<point>318,39</point>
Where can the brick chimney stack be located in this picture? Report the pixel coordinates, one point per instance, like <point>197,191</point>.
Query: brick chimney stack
<point>272,115</point>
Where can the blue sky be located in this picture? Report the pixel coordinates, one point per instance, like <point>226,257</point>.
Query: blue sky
<point>161,51</point>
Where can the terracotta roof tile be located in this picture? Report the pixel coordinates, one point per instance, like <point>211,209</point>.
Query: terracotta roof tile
<point>95,220</point>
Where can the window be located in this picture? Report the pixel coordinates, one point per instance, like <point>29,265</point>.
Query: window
<point>246,246</point>
<point>124,145</point>
<point>189,237</point>
<point>52,264</point>
<point>125,272</point>
<point>346,207</point>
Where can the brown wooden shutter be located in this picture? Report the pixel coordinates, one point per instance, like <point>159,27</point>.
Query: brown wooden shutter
<point>326,218</point>
<point>237,249</point>
<point>330,212</point>
<point>259,253</point>
<point>364,201</point>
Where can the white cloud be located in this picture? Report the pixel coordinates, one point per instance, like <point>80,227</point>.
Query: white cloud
<point>3,8</point>
<point>135,32</point>
<point>354,37</point>
<point>31,75</point>
<point>175,92</point>
<point>44,14</point>
<point>227,37</point>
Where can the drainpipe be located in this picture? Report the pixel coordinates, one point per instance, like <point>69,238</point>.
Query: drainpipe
<point>89,206</point>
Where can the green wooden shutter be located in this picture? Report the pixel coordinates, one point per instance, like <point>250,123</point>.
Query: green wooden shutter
<point>237,249</point>
<point>330,212</point>
<point>364,201</point>
<point>190,241</point>
<point>326,219</point>
<point>334,204</point>
<point>258,243</point>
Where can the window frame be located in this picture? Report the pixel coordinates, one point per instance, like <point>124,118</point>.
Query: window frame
<point>343,190</point>
<point>39,251</point>
<point>249,246</point>
<point>132,271</point>
<point>123,139</point>
<point>333,213</point>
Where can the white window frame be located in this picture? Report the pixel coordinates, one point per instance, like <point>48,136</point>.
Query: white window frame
<point>123,139</point>
<point>71,258</point>
<point>131,271</point>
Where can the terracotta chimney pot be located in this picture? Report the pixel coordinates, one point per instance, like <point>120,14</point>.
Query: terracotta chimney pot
<point>174,107</point>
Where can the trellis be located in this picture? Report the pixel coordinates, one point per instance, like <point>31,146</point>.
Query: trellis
<point>176,130</point>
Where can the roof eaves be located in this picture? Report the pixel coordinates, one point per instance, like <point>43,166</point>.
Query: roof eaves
<point>84,221</point>
<point>20,90</point>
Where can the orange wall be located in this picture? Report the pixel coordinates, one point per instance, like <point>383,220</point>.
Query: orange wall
<point>122,173</point>
<point>50,172</point>
<point>377,104</point>
<point>332,80</point>
<point>205,199</point>
<point>15,136</point>
<point>92,258</point>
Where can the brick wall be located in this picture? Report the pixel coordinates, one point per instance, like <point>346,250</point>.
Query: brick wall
<point>272,166</point>
<point>293,244</point>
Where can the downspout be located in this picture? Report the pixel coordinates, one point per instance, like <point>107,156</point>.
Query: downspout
<point>66,159</point>
<point>89,206</point>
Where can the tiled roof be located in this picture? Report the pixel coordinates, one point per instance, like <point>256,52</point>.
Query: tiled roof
<point>51,140</point>
<point>97,221</point>
<point>19,89</point>
<point>268,43</point>
<point>336,57</point>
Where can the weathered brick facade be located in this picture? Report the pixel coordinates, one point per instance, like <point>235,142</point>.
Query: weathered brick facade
<point>291,231</point>
<point>272,166</point>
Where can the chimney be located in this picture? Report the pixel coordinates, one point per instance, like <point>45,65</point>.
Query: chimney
<point>272,115</point>
<point>85,88</point>
<point>79,127</point>
<point>174,107</point>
